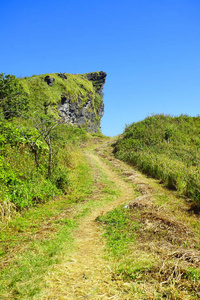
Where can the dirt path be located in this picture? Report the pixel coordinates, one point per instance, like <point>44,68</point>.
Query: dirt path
<point>85,274</point>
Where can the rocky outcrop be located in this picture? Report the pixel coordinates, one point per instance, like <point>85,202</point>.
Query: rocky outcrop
<point>98,80</point>
<point>49,80</point>
<point>75,112</point>
<point>78,97</point>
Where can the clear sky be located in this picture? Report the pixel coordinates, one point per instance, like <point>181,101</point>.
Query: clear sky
<point>150,50</point>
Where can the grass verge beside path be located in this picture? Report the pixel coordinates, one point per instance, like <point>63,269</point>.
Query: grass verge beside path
<point>166,148</point>
<point>35,240</point>
<point>150,257</point>
<point>153,244</point>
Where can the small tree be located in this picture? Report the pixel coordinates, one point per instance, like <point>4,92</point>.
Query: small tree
<point>13,99</point>
<point>14,103</point>
<point>45,126</point>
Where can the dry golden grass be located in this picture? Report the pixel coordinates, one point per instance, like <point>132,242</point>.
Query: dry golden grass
<point>7,211</point>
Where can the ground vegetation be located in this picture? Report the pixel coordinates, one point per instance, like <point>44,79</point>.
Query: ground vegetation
<point>167,148</point>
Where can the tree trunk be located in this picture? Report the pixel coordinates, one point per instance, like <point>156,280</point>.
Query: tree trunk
<point>50,156</point>
<point>36,157</point>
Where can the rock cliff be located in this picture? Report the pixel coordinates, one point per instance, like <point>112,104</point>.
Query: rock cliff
<point>77,98</point>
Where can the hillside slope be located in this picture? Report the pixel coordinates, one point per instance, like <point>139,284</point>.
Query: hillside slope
<point>167,148</point>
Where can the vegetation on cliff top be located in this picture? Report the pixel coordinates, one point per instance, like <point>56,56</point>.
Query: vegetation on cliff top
<point>76,86</point>
<point>167,148</point>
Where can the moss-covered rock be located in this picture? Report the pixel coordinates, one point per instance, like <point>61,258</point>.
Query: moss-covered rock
<point>77,98</point>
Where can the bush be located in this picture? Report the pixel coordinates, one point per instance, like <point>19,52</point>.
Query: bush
<point>25,183</point>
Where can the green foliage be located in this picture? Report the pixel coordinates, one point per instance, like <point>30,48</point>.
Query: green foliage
<point>45,98</point>
<point>77,87</point>
<point>166,148</point>
<point>120,232</point>
<point>116,234</point>
<point>22,279</point>
<point>13,99</point>
<point>25,183</point>
<point>97,102</point>
<point>168,134</point>
<point>193,274</point>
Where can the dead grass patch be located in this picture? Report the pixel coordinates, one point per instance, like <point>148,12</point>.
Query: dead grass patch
<point>175,274</point>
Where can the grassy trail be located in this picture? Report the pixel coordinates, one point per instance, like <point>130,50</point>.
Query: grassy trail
<point>150,251</point>
<point>85,273</point>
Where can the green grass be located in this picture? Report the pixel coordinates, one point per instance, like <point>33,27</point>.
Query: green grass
<point>23,277</point>
<point>76,86</point>
<point>36,239</point>
<point>102,193</point>
<point>23,183</point>
<point>167,148</point>
<point>120,236</point>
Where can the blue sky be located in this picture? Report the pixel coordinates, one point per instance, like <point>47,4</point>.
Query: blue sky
<point>150,50</point>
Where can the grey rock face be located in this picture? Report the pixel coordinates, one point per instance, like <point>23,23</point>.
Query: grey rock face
<point>101,110</point>
<point>62,75</point>
<point>98,80</point>
<point>73,113</point>
<point>49,80</point>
